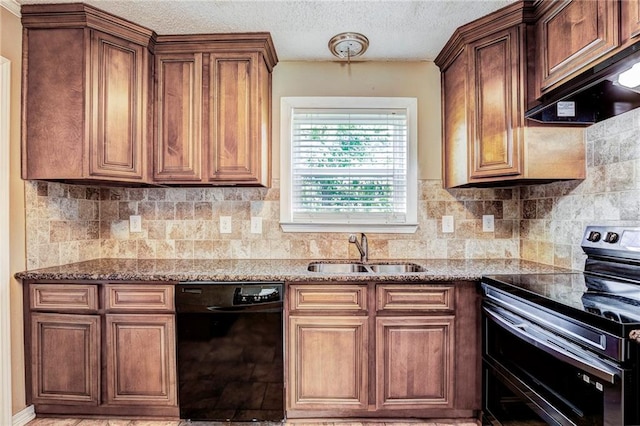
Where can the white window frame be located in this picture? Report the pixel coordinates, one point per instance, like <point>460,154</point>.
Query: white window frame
<point>289,104</point>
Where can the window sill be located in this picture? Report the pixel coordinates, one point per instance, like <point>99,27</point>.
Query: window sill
<point>352,227</point>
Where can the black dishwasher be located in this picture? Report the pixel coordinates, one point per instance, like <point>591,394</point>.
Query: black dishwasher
<point>230,351</point>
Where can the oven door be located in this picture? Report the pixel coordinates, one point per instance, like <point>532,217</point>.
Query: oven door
<point>532,375</point>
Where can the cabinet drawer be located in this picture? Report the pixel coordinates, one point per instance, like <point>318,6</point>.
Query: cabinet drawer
<point>139,297</point>
<point>64,296</point>
<point>327,298</point>
<point>413,297</point>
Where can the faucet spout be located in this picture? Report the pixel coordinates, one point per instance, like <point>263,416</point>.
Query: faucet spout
<point>362,246</point>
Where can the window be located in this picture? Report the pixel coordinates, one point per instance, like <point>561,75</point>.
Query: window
<point>348,164</point>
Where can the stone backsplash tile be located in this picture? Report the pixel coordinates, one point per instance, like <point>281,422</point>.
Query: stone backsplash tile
<point>63,223</point>
<point>184,223</point>
<point>610,195</point>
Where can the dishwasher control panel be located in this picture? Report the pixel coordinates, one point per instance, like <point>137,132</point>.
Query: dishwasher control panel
<point>213,297</point>
<point>254,294</point>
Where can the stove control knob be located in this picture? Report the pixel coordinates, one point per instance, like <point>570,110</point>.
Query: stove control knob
<point>611,237</point>
<point>594,236</point>
<point>635,335</point>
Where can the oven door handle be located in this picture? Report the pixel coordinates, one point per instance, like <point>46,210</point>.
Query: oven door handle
<point>588,364</point>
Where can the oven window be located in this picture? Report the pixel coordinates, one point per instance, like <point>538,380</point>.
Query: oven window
<point>555,390</point>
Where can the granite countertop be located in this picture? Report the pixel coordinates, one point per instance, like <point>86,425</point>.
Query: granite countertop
<point>275,270</point>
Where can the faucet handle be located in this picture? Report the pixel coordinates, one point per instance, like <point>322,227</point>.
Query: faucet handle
<point>353,238</point>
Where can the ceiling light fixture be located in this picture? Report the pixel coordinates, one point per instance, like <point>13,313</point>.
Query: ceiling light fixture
<point>348,45</point>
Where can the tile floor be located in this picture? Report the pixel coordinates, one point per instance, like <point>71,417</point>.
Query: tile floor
<point>125,422</point>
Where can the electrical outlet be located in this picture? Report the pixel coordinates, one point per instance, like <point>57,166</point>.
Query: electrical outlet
<point>447,224</point>
<point>488,224</point>
<point>256,225</point>
<point>135,223</point>
<point>225,224</point>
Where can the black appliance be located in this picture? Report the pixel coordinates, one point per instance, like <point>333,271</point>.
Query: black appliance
<point>230,351</point>
<point>563,348</point>
<point>594,92</point>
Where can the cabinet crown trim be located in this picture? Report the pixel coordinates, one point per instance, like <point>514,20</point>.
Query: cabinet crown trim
<point>222,42</point>
<point>521,12</point>
<point>73,15</point>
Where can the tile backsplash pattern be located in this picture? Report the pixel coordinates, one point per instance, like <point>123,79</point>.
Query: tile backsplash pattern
<point>555,215</point>
<point>184,223</point>
<point>63,223</point>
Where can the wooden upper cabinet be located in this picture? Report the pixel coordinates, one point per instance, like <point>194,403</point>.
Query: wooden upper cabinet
<point>214,109</point>
<point>487,85</point>
<point>571,35</point>
<point>239,152</point>
<point>496,73</point>
<point>91,83</point>
<point>629,21</point>
<point>85,95</point>
<point>178,147</point>
<point>455,126</point>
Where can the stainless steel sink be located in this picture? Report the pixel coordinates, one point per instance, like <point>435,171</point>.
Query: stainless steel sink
<point>374,268</point>
<point>337,268</point>
<point>395,268</point>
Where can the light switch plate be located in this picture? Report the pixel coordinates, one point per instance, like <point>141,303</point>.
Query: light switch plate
<point>447,224</point>
<point>135,223</point>
<point>256,225</point>
<point>225,224</point>
<point>488,224</point>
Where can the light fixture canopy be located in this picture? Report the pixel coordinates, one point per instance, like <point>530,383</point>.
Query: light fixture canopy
<point>348,45</point>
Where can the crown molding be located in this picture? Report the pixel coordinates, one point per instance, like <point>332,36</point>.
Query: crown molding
<point>12,6</point>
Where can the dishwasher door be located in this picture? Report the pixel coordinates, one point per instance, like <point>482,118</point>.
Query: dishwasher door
<point>230,351</point>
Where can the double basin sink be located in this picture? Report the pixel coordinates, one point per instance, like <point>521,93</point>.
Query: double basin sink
<point>365,268</point>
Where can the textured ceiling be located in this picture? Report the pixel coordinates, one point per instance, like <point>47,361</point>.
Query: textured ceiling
<point>400,30</point>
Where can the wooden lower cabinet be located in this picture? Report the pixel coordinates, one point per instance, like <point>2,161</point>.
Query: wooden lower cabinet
<point>329,363</point>
<point>414,362</point>
<point>141,361</point>
<point>109,355</point>
<point>383,350</point>
<point>65,359</point>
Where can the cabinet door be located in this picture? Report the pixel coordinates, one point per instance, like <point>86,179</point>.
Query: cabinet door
<point>118,84</point>
<point>178,144</point>
<point>414,362</point>
<point>65,359</point>
<point>327,363</point>
<point>235,145</point>
<point>630,20</point>
<point>572,34</point>
<point>141,359</point>
<point>496,71</point>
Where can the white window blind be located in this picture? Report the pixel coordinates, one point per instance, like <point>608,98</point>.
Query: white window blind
<point>350,166</point>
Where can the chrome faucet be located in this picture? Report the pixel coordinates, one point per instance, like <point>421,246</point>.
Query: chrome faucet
<point>363,246</point>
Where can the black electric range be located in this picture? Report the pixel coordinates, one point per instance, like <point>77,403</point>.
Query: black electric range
<point>564,347</point>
